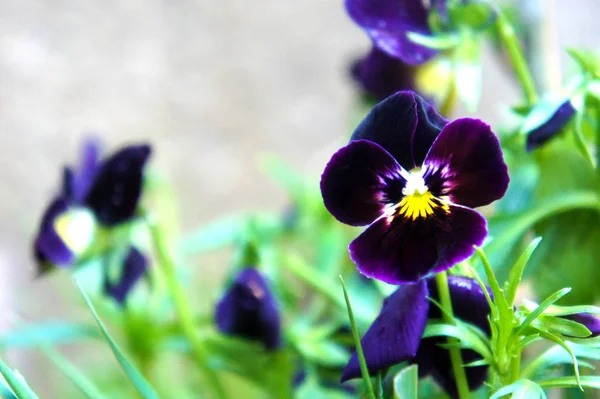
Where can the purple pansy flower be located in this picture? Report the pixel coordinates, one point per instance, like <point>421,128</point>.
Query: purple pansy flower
<point>249,310</point>
<point>134,266</point>
<point>388,23</point>
<point>103,191</point>
<point>551,127</point>
<point>396,335</point>
<point>413,178</point>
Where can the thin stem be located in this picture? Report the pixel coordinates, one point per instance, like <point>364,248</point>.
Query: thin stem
<point>517,59</point>
<point>515,368</point>
<point>455,357</point>
<point>186,316</point>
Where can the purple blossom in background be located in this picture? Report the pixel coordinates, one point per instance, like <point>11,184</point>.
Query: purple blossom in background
<point>388,22</point>
<point>551,127</point>
<point>249,310</point>
<point>590,321</point>
<point>413,178</point>
<point>396,335</point>
<point>134,266</point>
<point>104,191</point>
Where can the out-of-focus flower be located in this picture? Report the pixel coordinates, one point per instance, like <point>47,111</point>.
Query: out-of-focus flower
<point>134,266</point>
<point>380,75</point>
<point>249,310</point>
<point>396,335</point>
<point>99,192</point>
<point>413,178</point>
<point>388,23</point>
<point>551,127</point>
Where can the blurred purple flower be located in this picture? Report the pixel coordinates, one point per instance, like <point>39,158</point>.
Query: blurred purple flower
<point>396,335</point>
<point>249,310</point>
<point>134,266</point>
<point>388,22</point>
<point>413,178</point>
<point>105,191</point>
<point>551,127</point>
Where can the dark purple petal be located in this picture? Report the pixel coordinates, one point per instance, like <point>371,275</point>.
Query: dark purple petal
<point>116,190</point>
<point>359,180</point>
<point>248,309</point>
<point>551,127</point>
<point>589,320</point>
<point>134,267</point>
<point>404,251</point>
<point>387,22</point>
<point>395,335</point>
<point>466,164</point>
<point>405,125</point>
<point>380,75</point>
<point>470,305</point>
<point>49,246</point>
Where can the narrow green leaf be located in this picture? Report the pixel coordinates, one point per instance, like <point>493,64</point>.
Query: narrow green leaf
<point>521,389</point>
<point>557,340</point>
<point>85,385</point>
<point>141,384</point>
<point>467,338</point>
<point>557,355</point>
<point>540,309</point>
<point>16,382</point>
<point>504,309</point>
<point>6,392</point>
<point>50,333</point>
<point>359,351</point>
<point>571,382</point>
<point>406,383</point>
<point>323,352</point>
<point>516,273</point>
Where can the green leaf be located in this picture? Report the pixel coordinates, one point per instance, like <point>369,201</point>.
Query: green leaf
<point>406,383</point>
<point>6,392</point>
<point>16,382</point>
<point>359,351</point>
<point>557,355</point>
<point>588,61</point>
<point>437,42</point>
<point>521,389</point>
<point>142,386</point>
<point>82,382</point>
<point>540,309</point>
<point>517,270</point>
<point>310,389</point>
<point>50,333</point>
<point>218,234</point>
<point>466,335</point>
<point>557,340</point>
<point>571,382</point>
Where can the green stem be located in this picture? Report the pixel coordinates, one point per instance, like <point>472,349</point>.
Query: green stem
<point>515,369</point>
<point>455,357</point>
<point>186,316</point>
<point>517,58</point>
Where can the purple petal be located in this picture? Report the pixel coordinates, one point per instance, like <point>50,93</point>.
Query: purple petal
<point>404,251</point>
<point>466,163</point>
<point>248,309</point>
<point>48,246</point>
<point>134,267</point>
<point>83,178</point>
<point>380,75</point>
<point>116,190</point>
<point>470,305</point>
<point>551,127</point>
<point>359,180</point>
<point>405,125</point>
<point>589,320</point>
<point>395,335</point>
<point>389,21</point>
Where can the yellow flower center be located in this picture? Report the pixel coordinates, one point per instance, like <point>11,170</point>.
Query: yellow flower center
<point>418,201</point>
<point>76,228</point>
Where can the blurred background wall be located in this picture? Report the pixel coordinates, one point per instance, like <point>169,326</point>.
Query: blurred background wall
<point>211,84</point>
